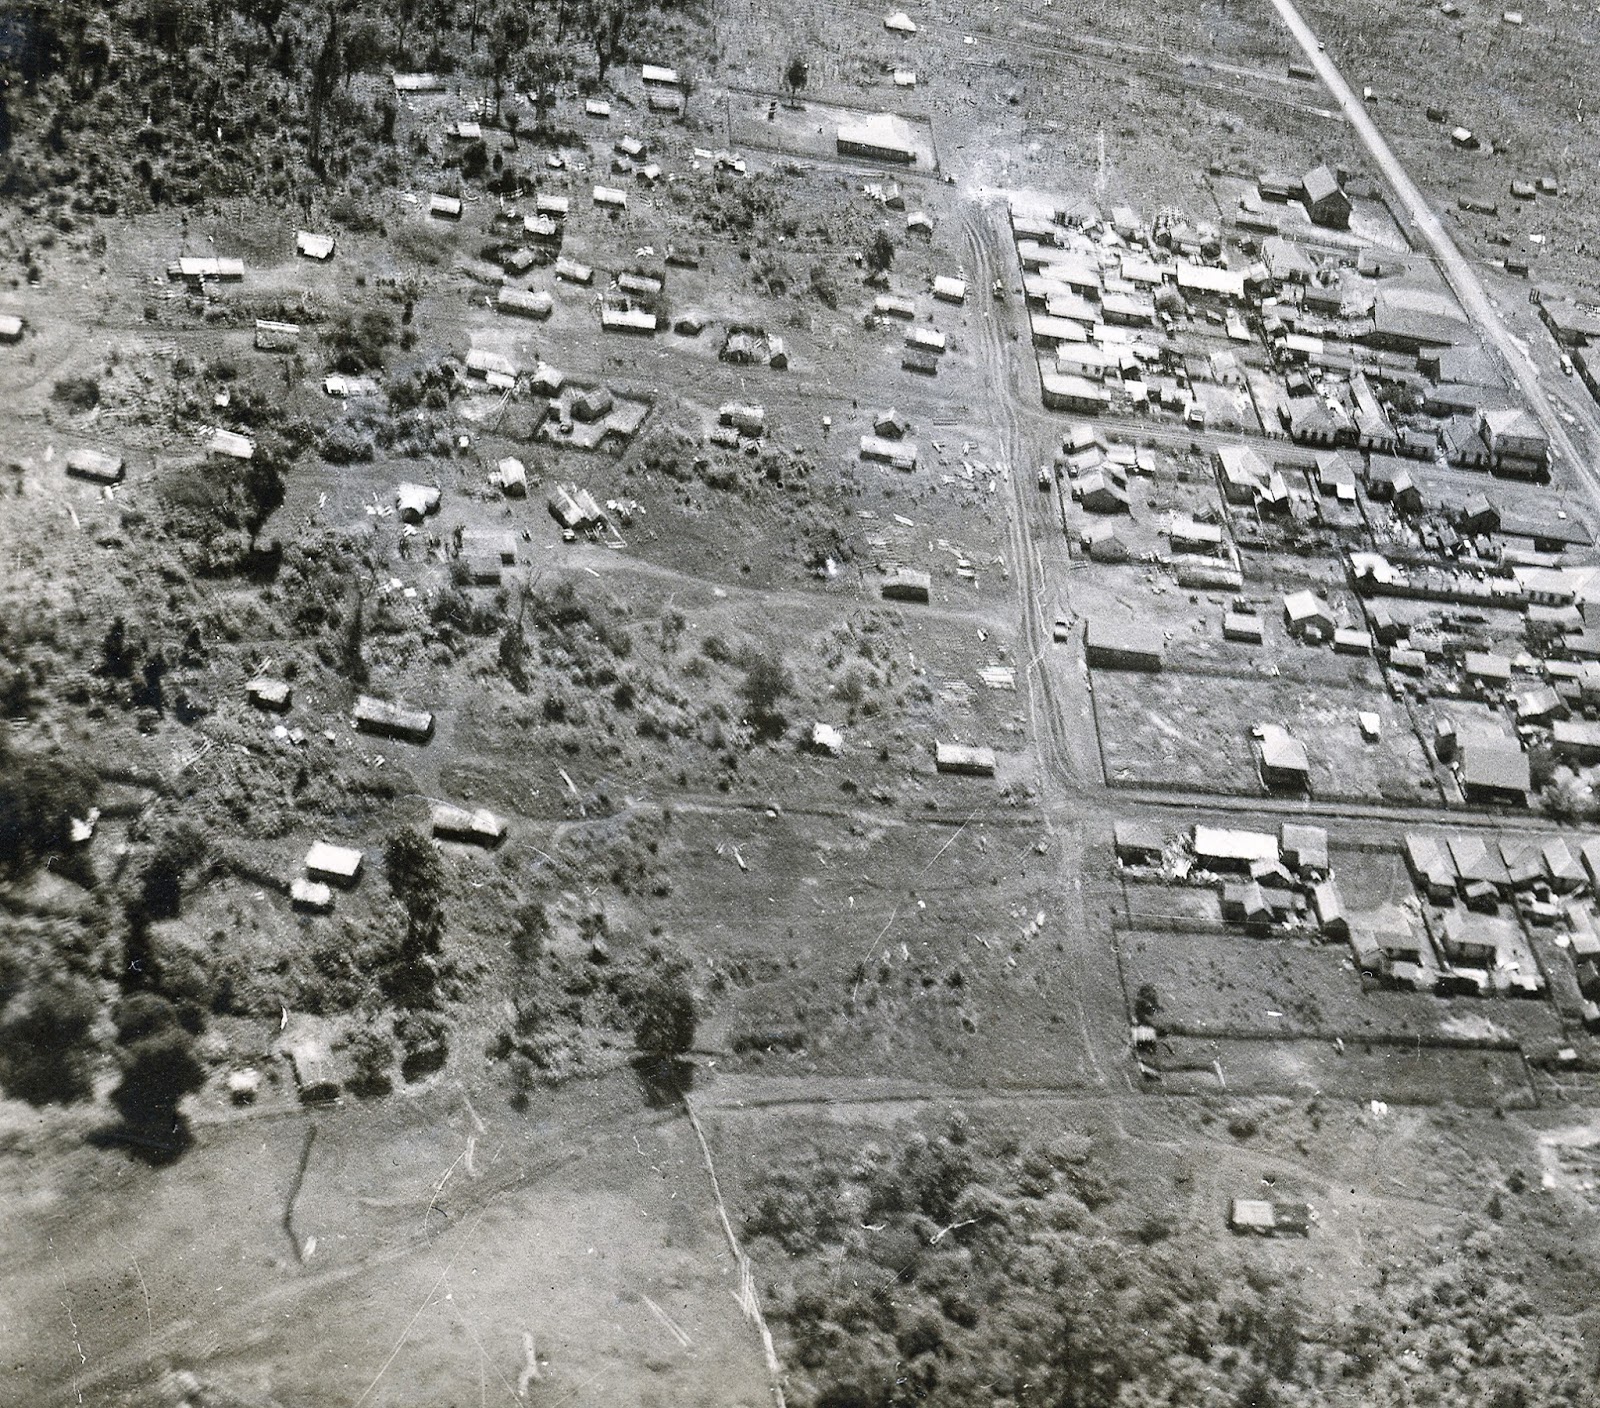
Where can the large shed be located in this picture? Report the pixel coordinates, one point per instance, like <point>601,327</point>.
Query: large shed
<point>1123,645</point>
<point>392,720</point>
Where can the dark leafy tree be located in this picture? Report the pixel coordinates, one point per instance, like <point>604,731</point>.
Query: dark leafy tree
<point>358,341</point>
<point>509,33</point>
<point>607,22</point>
<point>795,74</point>
<point>424,1043</point>
<point>265,13</point>
<point>372,1053</point>
<point>666,1017</point>
<point>323,80</point>
<point>766,682</point>
<point>547,64</point>
<point>159,1068</point>
<point>44,1043</point>
<point>514,657</point>
<point>880,252</point>
<point>416,879</point>
<point>261,493</point>
<point>1146,1003</point>
<point>39,797</point>
<point>117,657</point>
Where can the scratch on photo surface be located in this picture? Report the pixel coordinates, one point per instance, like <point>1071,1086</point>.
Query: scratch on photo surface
<point>416,1315</point>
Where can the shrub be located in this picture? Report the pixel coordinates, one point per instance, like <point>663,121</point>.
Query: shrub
<point>78,393</point>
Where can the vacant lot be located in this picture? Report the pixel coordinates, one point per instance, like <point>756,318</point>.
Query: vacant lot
<point>1241,986</point>
<point>423,1251</point>
<point>1185,731</point>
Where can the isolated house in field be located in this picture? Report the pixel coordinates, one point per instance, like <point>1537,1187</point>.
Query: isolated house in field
<point>901,454</point>
<point>1264,1218</point>
<point>574,509</point>
<point>964,759</point>
<point>391,720</point>
<point>907,584</point>
<point>310,895</point>
<point>312,246</point>
<point>230,445</point>
<point>273,695</point>
<point>949,290</point>
<point>899,23</point>
<point>746,419</point>
<point>826,739</point>
<point>479,827</point>
<point>1107,542</point>
<point>335,865</point>
<point>1285,765</point>
<point>881,136</point>
<point>443,207</point>
<point>95,466</point>
<point>626,319</point>
<point>414,502</point>
<point>276,337</point>
<point>418,83</point>
<point>196,270</point>
<point>1325,200</point>
<point>512,477</point>
<point>10,328</point>
<point>890,425</point>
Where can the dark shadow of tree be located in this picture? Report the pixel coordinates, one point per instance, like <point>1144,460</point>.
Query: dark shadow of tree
<point>664,1080</point>
<point>154,1144</point>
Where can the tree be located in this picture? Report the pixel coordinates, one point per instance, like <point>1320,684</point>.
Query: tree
<point>880,253</point>
<point>358,341</point>
<point>1146,1003</point>
<point>44,1042</point>
<point>261,493</point>
<point>39,797</point>
<point>509,33</point>
<point>513,122</point>
<point>766,681</point>
<point>514,656</point>
<point>607,19</point>
<point>117,657</point>
<point>265,13</point>
<point>159,1068</point>
<point>547,64</point>
<point>371,1053</point>
<point>324,79</point>
<point>795,74</point>
<point>416,879</point>
<point>665,1017</point>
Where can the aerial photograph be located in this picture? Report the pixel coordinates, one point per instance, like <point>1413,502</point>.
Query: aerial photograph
<point>720,704</point>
